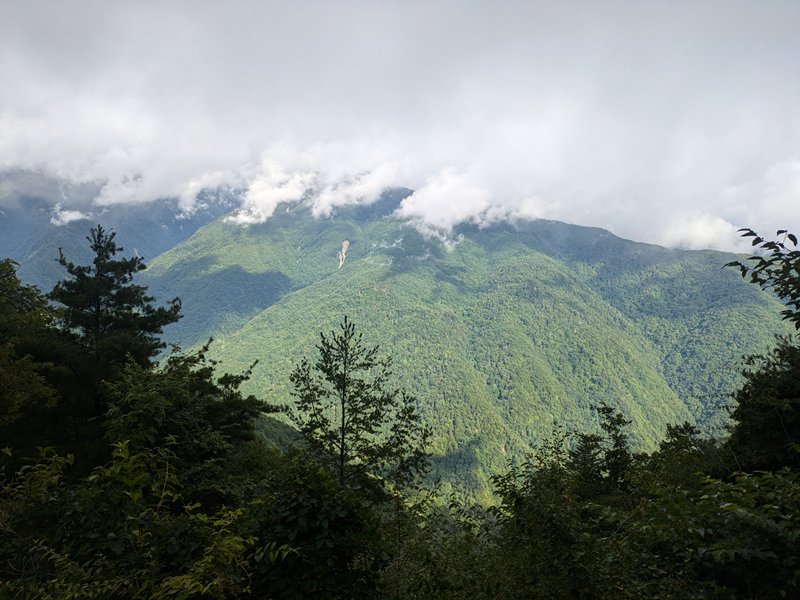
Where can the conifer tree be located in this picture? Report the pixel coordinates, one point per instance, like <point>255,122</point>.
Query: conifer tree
<point>102,321</point>
<point>350,418</point>
<point>109,316</point>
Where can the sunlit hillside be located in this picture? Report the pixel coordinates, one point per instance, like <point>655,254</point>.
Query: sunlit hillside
<point>501,333</point>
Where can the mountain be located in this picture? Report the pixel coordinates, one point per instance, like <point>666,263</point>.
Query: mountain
<point>501,332</point>
<point>32,233</point>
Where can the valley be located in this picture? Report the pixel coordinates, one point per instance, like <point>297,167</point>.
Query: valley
<point>501,333</point>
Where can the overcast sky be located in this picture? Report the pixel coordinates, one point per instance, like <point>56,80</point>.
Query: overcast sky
<point>670,122</point>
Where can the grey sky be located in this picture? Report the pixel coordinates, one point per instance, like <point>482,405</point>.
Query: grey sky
<point>672,122</point>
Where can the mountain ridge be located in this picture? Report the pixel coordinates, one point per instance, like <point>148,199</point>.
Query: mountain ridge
<point>504,332</point>
<point>501,331</point>
<point>30,204</point>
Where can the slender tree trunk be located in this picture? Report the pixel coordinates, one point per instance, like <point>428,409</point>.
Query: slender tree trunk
<point>342,399</point>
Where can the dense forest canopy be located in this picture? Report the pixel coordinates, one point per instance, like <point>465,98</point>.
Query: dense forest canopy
<point>156,480</point>
<point>499,332</point>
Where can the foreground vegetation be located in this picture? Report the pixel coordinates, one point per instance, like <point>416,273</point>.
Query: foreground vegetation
<point>151,480</point>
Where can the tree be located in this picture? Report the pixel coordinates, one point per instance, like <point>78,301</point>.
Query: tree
<point>349,418</point>
<point>208,419</point>
<point>123,532</point>
<point>21,306</point>
<point>336,532</point>
<point>600,464</point>
<point>110,317</point>
<point>23,312</point>
<point>779,270</point>
<point>103,321</point>
<point>766,430</point>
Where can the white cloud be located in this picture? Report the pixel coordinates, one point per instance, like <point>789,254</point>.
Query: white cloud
<point>269,188</point>
<point>660,121</point>
<point>446,199</point>
<point>699,230</point>
<point>63,216</point>
<point>352,188</point>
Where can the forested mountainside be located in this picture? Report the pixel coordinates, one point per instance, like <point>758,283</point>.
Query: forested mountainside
<point>501,332</point>
<point>126,477</point>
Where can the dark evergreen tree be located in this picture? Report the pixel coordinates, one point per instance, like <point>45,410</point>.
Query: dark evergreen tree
<point>350,419</point>
<point>110,317</point>
<point>24,313</point>
<point>103,320</point>
<point>766,430</point>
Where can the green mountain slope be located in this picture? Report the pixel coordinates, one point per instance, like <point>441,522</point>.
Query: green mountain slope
<point>500,334</point>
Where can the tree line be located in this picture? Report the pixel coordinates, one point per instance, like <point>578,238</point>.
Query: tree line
<point>125,476</point>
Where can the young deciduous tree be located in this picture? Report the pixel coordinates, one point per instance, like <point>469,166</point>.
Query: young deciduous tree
<point>778,270</point>
<point>766,430</point>
<point>350,418</point>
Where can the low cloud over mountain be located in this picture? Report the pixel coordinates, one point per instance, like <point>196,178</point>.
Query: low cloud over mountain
<point>674,122</point>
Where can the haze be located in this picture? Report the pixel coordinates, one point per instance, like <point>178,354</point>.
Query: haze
<point>674,122</point>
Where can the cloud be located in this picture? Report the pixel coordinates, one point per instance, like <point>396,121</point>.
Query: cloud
<point>63,216</point>
<point>659,121</point>
<point>268,189</point>
<point>353,188</point>
<point>324,175</point>
<point>446,199</point>
<point>698,230</point>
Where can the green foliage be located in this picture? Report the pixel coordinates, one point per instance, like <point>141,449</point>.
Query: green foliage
<point>193,502</point>
<point>779,270</point>
<point>600,471</point>
<point>648,538</point>
<point>766,418</point>
<point>23,391</point>
<point>340,550</point>
<point>132,528</point>
<point>103,321</point>
<point>110,317</point>
<point>730,539</point>
<point>276,435</point>
<point>498,336</point>
<point>346,414</point>
<point>209,422</point>
<point>21,306</point>
<point>449,554</point>
<point>681,455</point>
<point>114,535</point>
<point>24,312</point>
